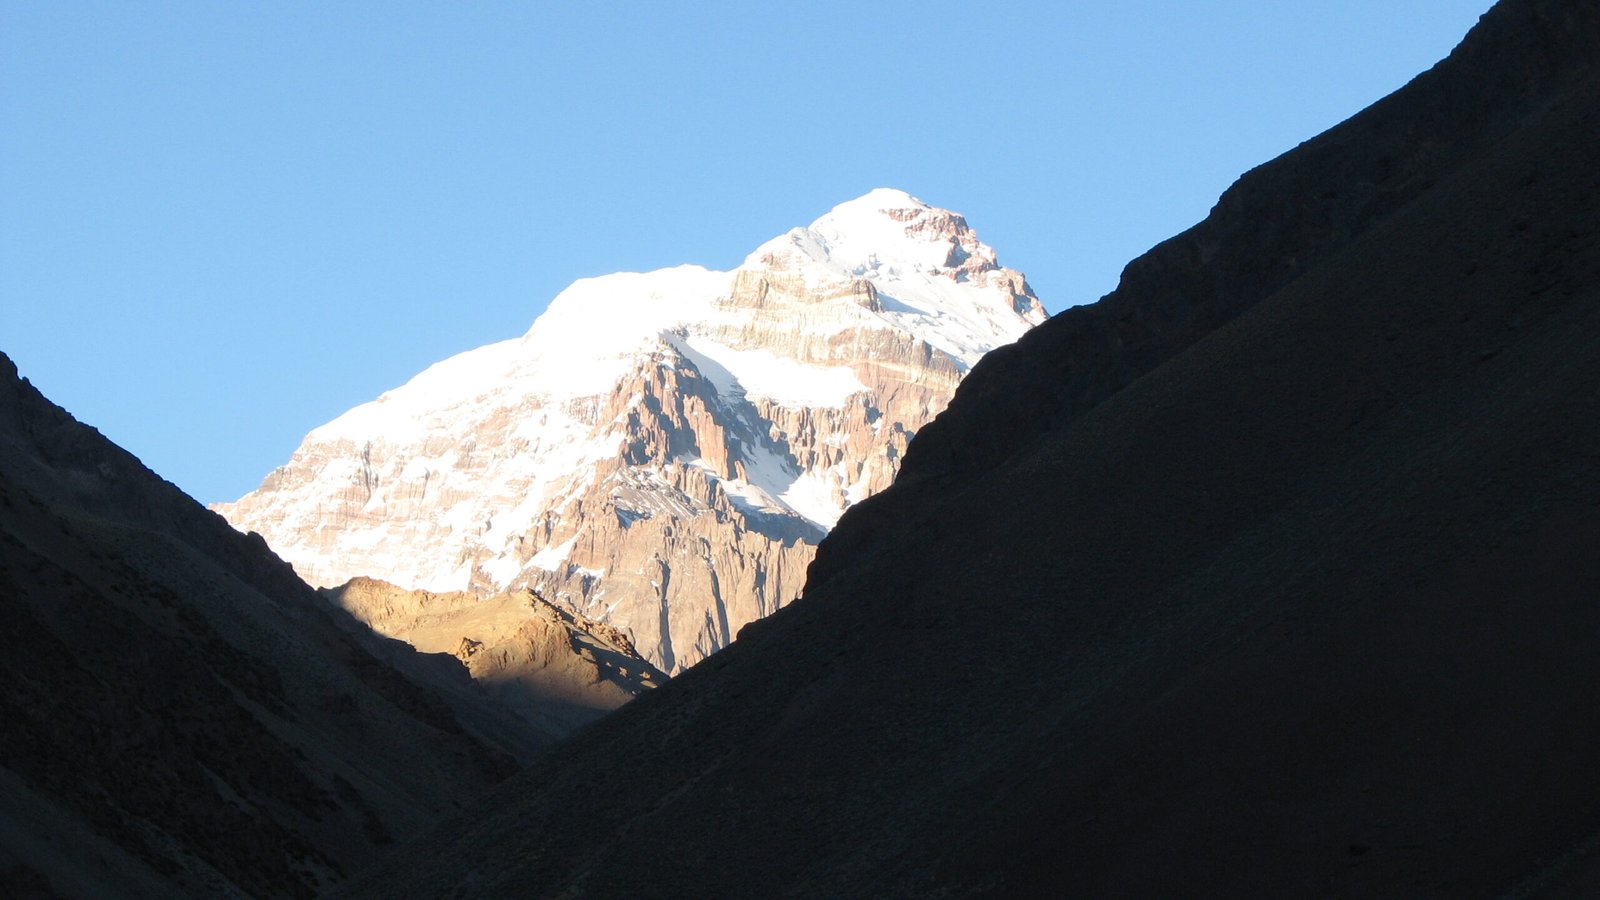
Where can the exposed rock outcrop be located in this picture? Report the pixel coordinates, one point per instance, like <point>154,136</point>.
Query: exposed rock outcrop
<point>557,670</point>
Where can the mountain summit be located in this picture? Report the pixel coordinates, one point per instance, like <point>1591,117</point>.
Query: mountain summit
<point>661,451</point>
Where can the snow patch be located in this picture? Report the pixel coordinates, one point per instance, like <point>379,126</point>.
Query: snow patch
<point>501,570</point>
<point>762,374</point>
<point>554,558</point>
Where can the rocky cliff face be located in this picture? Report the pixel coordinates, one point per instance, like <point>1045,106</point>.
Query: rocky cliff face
<point>660,452</point>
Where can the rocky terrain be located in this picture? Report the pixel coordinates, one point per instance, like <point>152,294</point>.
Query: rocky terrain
<point>660,452</point>
<point>1271,574</point>
<point>554,669</point>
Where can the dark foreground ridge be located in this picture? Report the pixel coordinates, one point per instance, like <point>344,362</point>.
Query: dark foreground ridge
<point>1275,224</point>
<point>182,715</point>
<point>1271,575</point>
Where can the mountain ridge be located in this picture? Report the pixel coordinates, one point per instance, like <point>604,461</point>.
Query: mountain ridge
<point>1267,228</point>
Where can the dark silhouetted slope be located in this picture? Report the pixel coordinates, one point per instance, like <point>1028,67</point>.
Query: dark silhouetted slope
<point>181,715</point>
<point>1276,223</point>
<point>1274,575</point>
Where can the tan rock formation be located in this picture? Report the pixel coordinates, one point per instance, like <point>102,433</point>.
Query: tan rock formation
<point>556,669</point>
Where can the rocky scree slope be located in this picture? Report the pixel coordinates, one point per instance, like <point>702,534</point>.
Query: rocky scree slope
<point>183,716</point>
<point>1307,608</point>
<point>661,451</point>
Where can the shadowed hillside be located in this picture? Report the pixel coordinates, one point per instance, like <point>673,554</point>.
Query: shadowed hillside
<point>1272,574</point>
<point>182,715</point>
<point>1274,225</point>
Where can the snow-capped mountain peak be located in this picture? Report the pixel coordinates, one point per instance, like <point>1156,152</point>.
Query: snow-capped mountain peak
<point>658,441</point>
<point>884,230</point>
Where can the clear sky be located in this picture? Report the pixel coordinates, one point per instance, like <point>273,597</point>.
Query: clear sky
<point>222,224</point>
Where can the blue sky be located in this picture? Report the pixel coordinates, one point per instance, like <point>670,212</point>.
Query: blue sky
<point>222,224</point>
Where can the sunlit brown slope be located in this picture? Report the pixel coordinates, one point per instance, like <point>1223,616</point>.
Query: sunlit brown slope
<point>1276,575</point>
